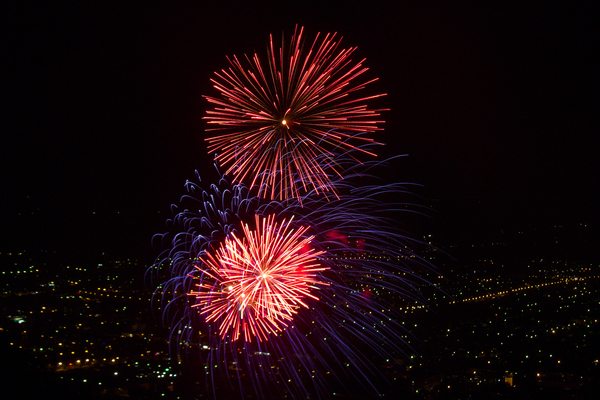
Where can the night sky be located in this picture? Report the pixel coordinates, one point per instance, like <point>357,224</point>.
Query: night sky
<point>496,105</point>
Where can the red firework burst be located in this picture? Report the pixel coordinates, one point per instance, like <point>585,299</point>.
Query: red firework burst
<point>282,123</point>
<point>255,284</point>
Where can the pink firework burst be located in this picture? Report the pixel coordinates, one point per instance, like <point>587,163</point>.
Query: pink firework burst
<point>281,124</point>
<point>255,284</point>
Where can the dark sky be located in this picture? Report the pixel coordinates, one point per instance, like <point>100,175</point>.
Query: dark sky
<point>496,105</point>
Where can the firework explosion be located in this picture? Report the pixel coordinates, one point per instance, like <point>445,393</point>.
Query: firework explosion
<point>280,124</point>
<point>259,281</point>
<point>336,318</point>
<point>280,289</point>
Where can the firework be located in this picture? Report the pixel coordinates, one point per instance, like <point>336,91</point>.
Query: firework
<point>332,321</point>
<point>279,124</point>
<point>256,284</point>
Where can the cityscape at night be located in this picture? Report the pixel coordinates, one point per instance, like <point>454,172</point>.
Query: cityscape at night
<point>506,322</point>
<point>300,201</point>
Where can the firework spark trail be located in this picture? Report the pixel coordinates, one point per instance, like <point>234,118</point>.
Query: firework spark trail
<point>277,123</point>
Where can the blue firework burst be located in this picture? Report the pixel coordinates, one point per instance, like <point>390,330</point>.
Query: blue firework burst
<point>345,334</point>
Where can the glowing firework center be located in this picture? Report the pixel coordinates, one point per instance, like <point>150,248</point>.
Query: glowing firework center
<point>255,284</point>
